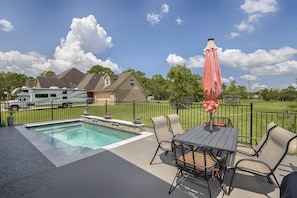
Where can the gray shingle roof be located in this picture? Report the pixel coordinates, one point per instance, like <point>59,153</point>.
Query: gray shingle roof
<point>73,78</point>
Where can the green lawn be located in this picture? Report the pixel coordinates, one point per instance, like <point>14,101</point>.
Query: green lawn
<point>190,116</point>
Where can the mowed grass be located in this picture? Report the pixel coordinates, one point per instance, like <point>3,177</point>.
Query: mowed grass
<point>239,114</point>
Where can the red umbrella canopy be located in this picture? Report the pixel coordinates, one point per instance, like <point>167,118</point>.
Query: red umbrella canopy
<point>211,80</point>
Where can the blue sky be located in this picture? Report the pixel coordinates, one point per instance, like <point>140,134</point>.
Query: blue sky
<point>256,39</point>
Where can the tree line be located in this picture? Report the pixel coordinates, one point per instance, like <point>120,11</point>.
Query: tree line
<point>179,84</point>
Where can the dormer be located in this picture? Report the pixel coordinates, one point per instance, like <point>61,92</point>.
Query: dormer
<point>107,80</point>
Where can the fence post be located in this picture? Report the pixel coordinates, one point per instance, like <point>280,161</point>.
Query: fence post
<point>0,112</point>
<point>133,109</point>
<point>105,107</point>
<point>52,107</point>
<point>176,107</point>
<point>251,123</point>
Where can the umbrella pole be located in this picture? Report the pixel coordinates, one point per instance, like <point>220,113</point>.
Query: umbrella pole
<point>210,123</point>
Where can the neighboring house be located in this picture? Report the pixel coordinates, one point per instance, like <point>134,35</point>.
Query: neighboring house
<point>114,88</point>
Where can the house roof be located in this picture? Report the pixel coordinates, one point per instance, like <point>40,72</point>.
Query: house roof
<point>73,78</point>
<point>89,82</point>
<point>116,81</point>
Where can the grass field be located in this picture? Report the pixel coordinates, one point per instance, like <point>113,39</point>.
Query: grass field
<point>283,113</point>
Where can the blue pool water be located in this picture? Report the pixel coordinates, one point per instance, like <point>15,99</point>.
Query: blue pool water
<point>78,137</point>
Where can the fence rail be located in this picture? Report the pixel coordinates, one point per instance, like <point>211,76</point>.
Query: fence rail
<point>250,122</point>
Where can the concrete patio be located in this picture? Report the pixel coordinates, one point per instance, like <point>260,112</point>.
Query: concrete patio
<point>123,171</point>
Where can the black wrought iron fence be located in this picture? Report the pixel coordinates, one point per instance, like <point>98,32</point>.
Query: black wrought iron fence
<point>250,122</point>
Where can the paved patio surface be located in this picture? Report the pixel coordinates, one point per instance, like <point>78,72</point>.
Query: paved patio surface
<point>123,171</point>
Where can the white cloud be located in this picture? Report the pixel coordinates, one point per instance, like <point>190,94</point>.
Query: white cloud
<point>85,39</point>
<point>234,34</point>
<point>154,18</point>
<point>227,81</point>
<point>249,77</point>
<point>261,62</point>
<point>276,62</point>
<point>255,10</point>
<point>192,62</point>
<point>164,8</point>
<point>174,60</point>
<point>179,21</point>
<point>14,61</point>
<point>257,86</point>
<point>6,25</point>
<point>259,6</point>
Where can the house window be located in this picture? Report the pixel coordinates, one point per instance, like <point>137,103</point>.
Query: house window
<point>41,95</point>
<point>53,95</point>
<point>106,81</point>
<point>131,82</point>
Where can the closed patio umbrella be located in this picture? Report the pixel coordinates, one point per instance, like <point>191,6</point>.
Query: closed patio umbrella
<point>211,79</point>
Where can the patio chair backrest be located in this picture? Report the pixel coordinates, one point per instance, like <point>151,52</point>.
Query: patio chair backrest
<point>262,142</point>
<point>161,129</point>
<point>175,125</point>
<point>277,147</point>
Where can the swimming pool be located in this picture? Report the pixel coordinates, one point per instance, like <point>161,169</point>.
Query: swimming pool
<point>79,134</point>
<point>66,142</point>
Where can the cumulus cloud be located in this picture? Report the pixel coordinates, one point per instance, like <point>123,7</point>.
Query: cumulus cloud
<point>257,86</point>
<point>27,63</point>
<point>227,81</point>
<point>249,77</point>
<point>85,39</point>
<point>5,25</point>
<point>179,21</point>
<point>279,62</point>
<point>255,10</point>
<point>174,59</point>
<point>154,18</point>
<point>261,62</point>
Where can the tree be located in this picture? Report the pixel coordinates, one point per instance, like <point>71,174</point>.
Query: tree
<point>180,80</point>
<point>197,87</point>
<point>270,94</point>
<point>98,69</point>
<point>288,94</point>
<point>10,81</point>
<point>50,74</point>
<point>159,87</point>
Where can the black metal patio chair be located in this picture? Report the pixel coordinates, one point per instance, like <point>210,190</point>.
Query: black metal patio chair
<point>280,143</point>
<point>246,148</point>
<point>163,135</point>
<point>195,163</point>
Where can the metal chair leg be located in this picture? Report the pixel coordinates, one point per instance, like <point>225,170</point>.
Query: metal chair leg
<point>155,155</point>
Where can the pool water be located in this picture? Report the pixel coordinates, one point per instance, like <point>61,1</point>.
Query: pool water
<point>78,137</point>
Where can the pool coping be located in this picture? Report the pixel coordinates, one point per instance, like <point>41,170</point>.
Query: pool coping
<point>59,159</point>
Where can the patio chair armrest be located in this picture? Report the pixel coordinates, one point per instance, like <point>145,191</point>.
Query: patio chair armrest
<point>237,165</point>
<point>248,138</point>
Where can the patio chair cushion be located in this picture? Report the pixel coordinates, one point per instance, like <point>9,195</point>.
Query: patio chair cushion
<point>254,166</point>
<point>195,160</point>
<point>278,145</point>
<point>246,148</point>
<point>175,125</point>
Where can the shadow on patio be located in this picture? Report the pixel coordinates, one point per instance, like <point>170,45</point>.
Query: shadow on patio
<point>121,172</point>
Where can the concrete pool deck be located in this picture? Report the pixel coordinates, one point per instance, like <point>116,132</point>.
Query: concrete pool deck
<point>56,157</point>
<point>123,171</point>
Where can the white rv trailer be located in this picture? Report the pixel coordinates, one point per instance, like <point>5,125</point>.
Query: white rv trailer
<point>61,97</point>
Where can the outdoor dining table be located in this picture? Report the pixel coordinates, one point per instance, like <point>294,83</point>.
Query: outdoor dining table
<point>220,139</point>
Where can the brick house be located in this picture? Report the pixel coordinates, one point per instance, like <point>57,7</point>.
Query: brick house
<point>114,88</point>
